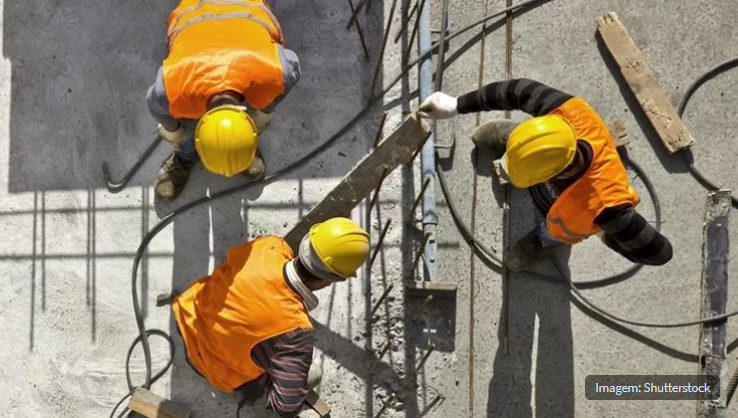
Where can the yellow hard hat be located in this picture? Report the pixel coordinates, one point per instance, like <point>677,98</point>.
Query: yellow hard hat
<point>341,245</point>
<point>226,140</point>
<point>539,149</point>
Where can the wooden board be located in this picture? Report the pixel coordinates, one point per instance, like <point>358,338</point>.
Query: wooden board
<point>715,243</point>
<point>442,290</point>
<point>498,173</point>
<point>396,149</point>
<point>152,405</point>
<point>318,404</point>
<point>651,97</point>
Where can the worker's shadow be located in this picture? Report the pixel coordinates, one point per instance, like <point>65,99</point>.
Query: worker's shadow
<point>533,366</point>
<point>202,237</point>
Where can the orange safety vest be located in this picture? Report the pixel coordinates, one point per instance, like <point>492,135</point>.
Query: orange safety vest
<point>244,302</point>
<point>603,185</point>
<point>222,45</point>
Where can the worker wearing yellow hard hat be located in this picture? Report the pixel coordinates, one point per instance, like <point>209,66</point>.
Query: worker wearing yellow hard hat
<point>226,71</point>
<point>566,157</point>
<point>246,327</point>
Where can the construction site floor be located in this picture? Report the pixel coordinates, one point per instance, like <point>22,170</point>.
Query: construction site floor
<point>74,79</point>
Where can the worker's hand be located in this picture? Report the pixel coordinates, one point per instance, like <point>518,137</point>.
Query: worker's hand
<point>438,106</point>
<point>175,138</point>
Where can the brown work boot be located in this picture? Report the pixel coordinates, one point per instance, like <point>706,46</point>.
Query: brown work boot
<point>257,169</point>
<point>493,135</point>
<point>172,177</point>
<point>526,251</point>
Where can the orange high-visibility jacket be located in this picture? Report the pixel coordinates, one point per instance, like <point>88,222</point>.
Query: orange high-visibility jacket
<point>221,45</point>
<point>604,185</point>
<point>245,301</point>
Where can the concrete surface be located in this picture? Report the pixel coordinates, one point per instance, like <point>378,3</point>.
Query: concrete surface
<point>74,79</point>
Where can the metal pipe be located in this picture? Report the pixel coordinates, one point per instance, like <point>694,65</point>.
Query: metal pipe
<point>427,154</point>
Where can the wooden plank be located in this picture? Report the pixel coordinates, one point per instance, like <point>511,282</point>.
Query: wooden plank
<point>715,236</point>
<point>441,290</point>
<point>497,168</point>
<point>318,404</point>
<point>651,97</point>
<point>152,405</point>
<point>396,149</point>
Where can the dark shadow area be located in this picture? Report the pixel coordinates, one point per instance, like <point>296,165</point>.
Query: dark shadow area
<point>79,79</point>
<point>534,363</point>
<point>80,75</point>
<point>672,163</point>
<point>537,347</point>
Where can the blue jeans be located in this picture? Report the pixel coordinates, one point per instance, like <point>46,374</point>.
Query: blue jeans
<point>546,239</point>
<point>187,150</point>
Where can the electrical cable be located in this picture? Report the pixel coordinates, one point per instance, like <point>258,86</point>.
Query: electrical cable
<point>167,219</point>
<point>687,154</point>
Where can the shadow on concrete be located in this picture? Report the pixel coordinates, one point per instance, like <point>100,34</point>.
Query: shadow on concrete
<point>80,72</point>
<point>533,366</point>
<point>78,84</point>
<point>672,163</point>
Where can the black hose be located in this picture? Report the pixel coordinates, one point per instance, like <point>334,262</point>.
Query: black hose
<point>687,154</point>
<point>166,220</point>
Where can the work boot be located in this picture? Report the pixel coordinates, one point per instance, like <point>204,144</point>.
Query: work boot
<point>257,169</point>
<point>172,177</point>
<point>493,135</point>
<point>526,251</point>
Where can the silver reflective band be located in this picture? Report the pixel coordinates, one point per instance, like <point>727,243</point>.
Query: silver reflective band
<point>312,262</point>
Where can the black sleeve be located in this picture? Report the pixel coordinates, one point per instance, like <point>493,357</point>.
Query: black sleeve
<point>530,96</point>
<point>630,235</point>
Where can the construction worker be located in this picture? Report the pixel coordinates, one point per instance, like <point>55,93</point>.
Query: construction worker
<point>566,156</point>
<point>226,70</point>
<point>246,326</point>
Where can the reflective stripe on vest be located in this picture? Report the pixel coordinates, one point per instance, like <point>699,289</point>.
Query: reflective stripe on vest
<point>244,302</point>
<point>175,29</point>
<point>603,185</point>
<point>222,45</point>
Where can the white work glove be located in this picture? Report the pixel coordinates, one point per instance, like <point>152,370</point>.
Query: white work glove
<point>175,138</point>
<point>438,106</point>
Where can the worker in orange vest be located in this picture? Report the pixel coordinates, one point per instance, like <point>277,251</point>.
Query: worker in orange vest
<point>566,156</point>
<point>226,70</point>
<point>246,326</point>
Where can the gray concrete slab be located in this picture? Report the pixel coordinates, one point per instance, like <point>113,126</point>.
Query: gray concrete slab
<point>77,72</point>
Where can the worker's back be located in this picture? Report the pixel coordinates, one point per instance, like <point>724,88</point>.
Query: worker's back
<point>216,46</point>
<point>245,301</point>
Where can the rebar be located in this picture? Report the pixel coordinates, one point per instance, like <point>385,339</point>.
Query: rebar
<point>380,242</point>
<point>358,29</point>
<point>422,307</point>
<point>425,357</point>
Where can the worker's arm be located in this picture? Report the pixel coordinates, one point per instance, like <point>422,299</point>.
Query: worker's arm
<point>158,103</point>
<point>523,94</point>
<point>291,75</point>
<point>530,96</point>
<point>286,359</point>
<point>629,234</point>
